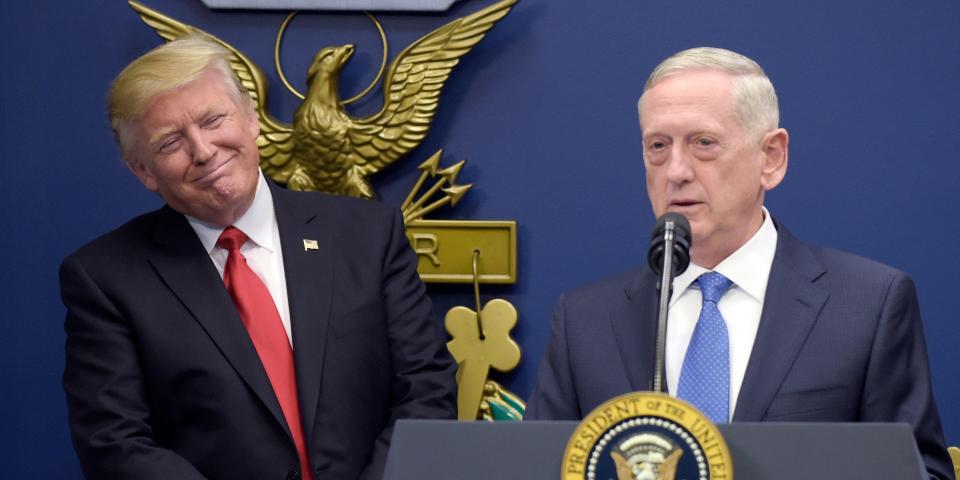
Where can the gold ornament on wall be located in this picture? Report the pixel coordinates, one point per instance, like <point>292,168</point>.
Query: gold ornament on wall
<point>325,148</point>
<point>481,341</point>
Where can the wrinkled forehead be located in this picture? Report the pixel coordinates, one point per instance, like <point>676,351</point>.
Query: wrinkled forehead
<point>694,92</point>
<point>206,90</point>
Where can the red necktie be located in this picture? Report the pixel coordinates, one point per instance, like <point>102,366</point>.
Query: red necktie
<point>259,314</point>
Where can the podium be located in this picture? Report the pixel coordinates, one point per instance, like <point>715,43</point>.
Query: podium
<point>434,449</point>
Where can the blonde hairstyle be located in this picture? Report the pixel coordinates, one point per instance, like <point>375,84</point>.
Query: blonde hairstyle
<point>754,99</point>
<point>165,68</point>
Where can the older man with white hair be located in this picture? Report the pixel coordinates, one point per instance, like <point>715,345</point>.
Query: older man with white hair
<point>762,327</point>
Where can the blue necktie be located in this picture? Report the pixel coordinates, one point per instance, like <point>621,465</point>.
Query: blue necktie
<point>705,377</point>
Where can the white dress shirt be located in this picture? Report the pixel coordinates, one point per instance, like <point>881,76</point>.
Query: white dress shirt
<point>262,250</point>
<point>749,269</point>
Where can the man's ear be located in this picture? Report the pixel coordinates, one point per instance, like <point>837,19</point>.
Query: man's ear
<point>774,148</point>
<point>253,121</point>
<point>143,173</point>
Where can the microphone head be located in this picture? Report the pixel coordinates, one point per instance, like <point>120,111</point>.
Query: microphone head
<point>681,243</point>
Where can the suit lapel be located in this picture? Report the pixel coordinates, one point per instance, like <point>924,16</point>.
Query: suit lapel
<point>309,275</point>
<point>790,309</point>
<point>635,329</point>
<point>187,270</point>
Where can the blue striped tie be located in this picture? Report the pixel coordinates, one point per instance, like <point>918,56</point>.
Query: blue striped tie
<point>705,377</point>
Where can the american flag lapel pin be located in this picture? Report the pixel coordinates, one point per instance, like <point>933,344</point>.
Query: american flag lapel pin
<point>309,245</point>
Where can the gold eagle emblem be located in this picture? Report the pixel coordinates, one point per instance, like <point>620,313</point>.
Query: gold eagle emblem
<point>325,148</point>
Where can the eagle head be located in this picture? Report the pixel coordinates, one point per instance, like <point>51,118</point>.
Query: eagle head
<point>329,61</point>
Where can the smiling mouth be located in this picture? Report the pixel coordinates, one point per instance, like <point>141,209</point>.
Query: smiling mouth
<point>212,174</point>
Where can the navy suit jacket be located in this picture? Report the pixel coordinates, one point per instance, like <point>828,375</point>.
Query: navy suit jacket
<point>840,340</point>
<point>163,382</point>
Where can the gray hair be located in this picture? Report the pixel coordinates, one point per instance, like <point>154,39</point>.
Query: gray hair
<point>754,99</point>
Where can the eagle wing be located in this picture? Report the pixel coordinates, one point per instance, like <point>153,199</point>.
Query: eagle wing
<point>276,137</point>
<point>624,470</point>
<point>412,87</point>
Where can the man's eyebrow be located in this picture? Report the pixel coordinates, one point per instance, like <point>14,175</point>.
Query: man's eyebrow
<point>219,108</point>
<point>164,132</point>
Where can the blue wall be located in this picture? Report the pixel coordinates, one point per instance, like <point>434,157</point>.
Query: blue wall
<point>543,110</point>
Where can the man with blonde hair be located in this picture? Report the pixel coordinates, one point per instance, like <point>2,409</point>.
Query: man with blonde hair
<point>761,326</point>
<point>240,331</point>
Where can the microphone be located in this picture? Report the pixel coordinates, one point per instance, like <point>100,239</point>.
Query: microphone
<point>669,256</point>
<point>670,228</point>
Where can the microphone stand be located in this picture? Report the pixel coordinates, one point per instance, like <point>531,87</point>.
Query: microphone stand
<point>665,287</point>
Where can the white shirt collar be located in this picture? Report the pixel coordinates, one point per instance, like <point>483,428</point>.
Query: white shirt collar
<point>748,267</point>
<point>257,222</point>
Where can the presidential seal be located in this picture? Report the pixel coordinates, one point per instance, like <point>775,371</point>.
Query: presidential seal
<point>646,436</point>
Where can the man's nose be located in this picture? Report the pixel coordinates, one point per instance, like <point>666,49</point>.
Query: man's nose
<point>203,149</point>
<point>678,165</point>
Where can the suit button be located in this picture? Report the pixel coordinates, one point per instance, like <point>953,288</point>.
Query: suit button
<point>293,475</point>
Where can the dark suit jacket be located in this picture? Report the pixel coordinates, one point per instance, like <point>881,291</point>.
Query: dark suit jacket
<point>840,340</point>
<point>163,382</point>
